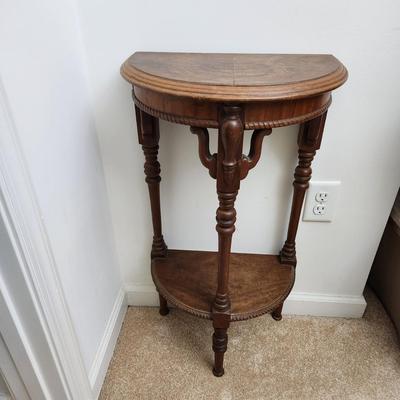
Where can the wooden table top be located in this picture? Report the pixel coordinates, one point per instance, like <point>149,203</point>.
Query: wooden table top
<point>235,77</point>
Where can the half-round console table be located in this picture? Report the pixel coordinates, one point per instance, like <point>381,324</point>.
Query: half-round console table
<point>233,93</point>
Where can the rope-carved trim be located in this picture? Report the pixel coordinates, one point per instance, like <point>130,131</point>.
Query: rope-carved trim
<point>206,123</point>
<point>207,159</point>
<point>233,317</point>
<point>288,121</point>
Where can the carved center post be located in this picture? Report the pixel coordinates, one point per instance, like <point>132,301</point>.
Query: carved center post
<point>229,158</point>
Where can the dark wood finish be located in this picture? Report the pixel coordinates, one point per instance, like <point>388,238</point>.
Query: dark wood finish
<point>277,313</point>
<point>149,135</point>
<point>235,77</point>
<point>164,310</point>
<point>231,92</point>
<point>258,283</point>
<point>251,160</point>
<point>257,115</point>
<point>309,141</point>
<point>207,159</point>
<point>230,144</point>
<point>274,89</point>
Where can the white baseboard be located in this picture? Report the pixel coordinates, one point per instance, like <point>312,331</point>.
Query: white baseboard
<point>322,305</point>
<point>106,348</point>
<point>141,295</point>
<point>298,303</point>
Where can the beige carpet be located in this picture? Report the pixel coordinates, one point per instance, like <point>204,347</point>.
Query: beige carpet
<point>297,358</point>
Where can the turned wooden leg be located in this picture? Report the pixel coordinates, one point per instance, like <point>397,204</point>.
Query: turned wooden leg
<point>230,143</point>
<point>164,310</point>
<point>277,313</point>
<point>309,141</point>
<point>149,135</point>
<point>220,343</point>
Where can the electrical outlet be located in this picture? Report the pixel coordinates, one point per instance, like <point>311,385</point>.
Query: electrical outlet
<point>321,197</point>
<point>321,200</point>
<point>319,209</point>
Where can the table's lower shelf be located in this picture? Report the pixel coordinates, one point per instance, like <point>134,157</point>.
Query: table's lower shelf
<point>188,279</point>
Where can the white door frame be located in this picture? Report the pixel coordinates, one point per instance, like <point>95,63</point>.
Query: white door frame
<point>9,370</point>
<point>62,375</point>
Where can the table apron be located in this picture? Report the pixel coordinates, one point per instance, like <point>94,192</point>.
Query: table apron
<point>257,114</point>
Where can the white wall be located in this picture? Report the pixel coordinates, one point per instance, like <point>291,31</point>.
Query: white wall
<point>360,147</point>
<point>45,85</point>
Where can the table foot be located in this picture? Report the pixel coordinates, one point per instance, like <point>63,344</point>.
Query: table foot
<point>164,310</point>
<point>277,313</point>
<point>219,373</point>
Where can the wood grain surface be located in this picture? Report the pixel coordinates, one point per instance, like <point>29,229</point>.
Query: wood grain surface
<point>231,92</point>
<point>188,279</point>
<point>235,77</point>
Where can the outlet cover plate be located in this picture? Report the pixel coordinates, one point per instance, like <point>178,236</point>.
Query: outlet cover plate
<point>332,189</point>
